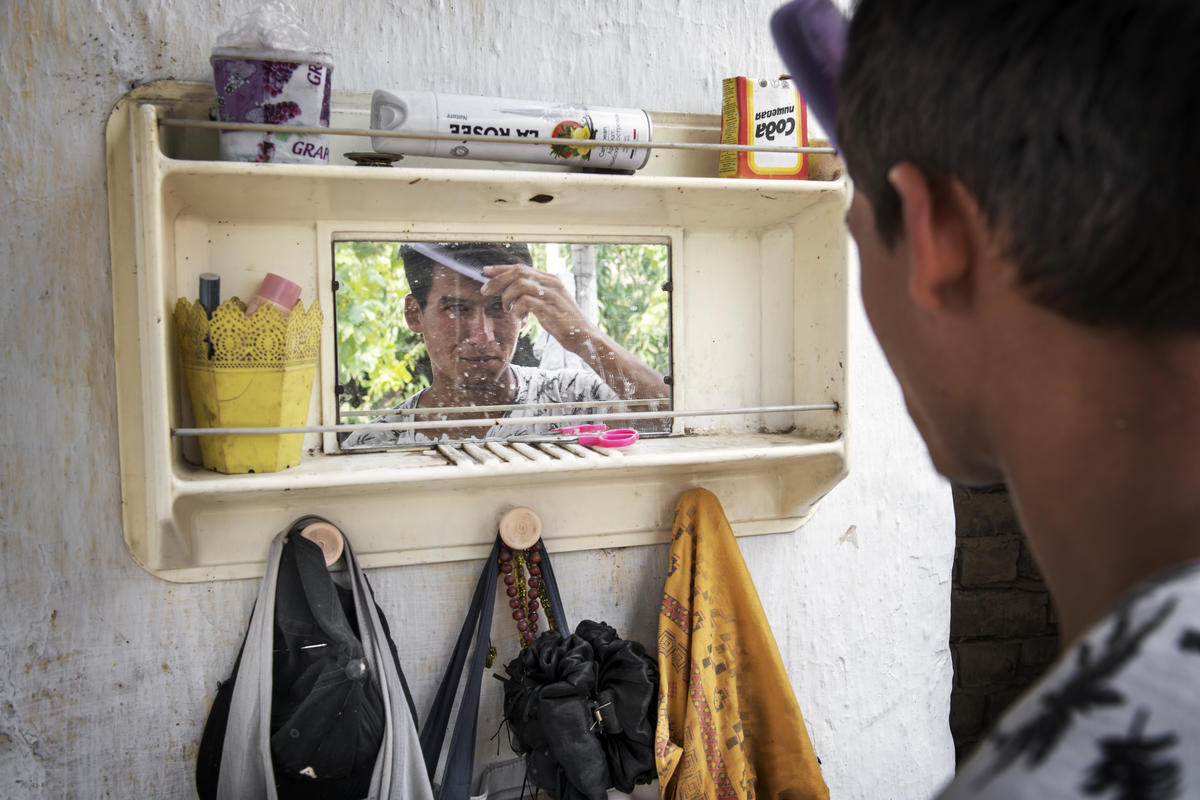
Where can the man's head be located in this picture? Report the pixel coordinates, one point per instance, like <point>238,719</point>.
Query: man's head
<point>470,337</point>
<point>419,269</point>
<point>1072,124</point>
<point>1017,163</point>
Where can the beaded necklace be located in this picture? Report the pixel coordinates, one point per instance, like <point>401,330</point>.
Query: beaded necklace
<point>522,574</point>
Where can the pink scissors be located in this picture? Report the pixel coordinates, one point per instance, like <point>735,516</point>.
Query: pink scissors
<point>596,434</point>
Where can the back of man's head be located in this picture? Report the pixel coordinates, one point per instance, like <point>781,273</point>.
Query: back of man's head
<point>1074,124</point>
<point>418,268</point>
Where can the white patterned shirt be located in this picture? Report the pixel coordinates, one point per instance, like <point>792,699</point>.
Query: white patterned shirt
<point>1117,717</point>
<point>534,386</point>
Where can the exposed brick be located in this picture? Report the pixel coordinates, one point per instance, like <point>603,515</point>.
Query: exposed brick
<point>1003,631</point>
<point>984,512</point>
<point>998,613</point>
<point>964,748</point>
<point>1039,653</point>
<point>988,561</point>
<point>999,702</point>
<point>982,664</point>
<point>968,714</point>
<point>1026,566</point>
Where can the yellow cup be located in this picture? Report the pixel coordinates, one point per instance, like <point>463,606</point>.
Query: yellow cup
<point>258,373</point>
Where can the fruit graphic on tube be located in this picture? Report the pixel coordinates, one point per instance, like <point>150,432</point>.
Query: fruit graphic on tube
<point>570,129</point>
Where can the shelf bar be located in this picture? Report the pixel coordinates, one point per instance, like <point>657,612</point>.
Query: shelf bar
<point>447,137</point>
<point>378,412</point>
<point>481,421</point>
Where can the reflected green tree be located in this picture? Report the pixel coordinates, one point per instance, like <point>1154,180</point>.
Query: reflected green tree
<point>380,361</point>
<point>634,309</point>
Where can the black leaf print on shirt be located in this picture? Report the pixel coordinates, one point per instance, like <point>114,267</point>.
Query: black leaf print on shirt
<point>1133,766</point>
<point>1087,689</point>
<point>1190,640</point>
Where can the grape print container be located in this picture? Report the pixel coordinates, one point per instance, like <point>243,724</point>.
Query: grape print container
<point>278,92</point>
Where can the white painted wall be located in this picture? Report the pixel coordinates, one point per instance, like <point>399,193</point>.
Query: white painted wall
<point>106,673</point>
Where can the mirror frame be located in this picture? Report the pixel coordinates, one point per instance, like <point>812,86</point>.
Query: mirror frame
<point>329,234</point>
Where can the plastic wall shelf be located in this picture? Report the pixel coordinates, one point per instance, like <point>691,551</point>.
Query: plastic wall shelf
<point>759,319</point>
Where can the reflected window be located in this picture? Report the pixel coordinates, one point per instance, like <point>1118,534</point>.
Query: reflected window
<point>483,340</point>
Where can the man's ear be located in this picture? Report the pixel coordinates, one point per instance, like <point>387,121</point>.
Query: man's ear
<point>936,230</point>
<point>412,313</point>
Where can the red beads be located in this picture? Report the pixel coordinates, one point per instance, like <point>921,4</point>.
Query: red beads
<point>523,590</point>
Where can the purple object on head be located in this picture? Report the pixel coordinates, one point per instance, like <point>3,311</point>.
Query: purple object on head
<point>811,37</point>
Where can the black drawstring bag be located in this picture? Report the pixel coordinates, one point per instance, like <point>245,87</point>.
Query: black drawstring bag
<point>581,708</point>
<point>327,716</point>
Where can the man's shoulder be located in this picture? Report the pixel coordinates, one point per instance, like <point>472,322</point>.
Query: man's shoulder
<point>387,437</point>
<point>1123,691</point>
<point>408,402</point>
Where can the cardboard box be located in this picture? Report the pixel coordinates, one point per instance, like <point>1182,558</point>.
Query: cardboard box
<point>766,112</point>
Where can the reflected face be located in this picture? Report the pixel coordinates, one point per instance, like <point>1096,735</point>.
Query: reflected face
<point>470,337</point>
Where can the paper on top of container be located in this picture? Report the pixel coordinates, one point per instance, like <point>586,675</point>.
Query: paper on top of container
<point>271,31</point>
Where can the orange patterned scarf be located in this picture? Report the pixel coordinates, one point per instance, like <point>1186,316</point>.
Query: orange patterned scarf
<point>729,726</point>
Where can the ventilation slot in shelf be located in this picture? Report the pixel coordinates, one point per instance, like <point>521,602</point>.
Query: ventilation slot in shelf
<point>498,454</point>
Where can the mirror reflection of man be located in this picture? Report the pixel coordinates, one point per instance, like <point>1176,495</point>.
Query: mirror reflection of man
<point>471,330</point>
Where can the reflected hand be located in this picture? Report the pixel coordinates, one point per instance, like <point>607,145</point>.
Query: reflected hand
<point>525,290</point>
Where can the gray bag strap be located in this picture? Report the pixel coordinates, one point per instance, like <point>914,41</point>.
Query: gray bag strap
<point>246,769</point>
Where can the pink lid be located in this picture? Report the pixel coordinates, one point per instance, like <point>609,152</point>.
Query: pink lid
<point>279,290</point>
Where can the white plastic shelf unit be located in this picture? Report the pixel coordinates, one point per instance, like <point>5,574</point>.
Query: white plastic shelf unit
<point>759,317</point>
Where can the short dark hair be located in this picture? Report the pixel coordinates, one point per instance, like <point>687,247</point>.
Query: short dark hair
<point>418,268</point>
<point>1074,124</point>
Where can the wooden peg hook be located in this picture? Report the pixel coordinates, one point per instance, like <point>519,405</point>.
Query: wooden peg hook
<point>520,528</point>
<point>328,538</point>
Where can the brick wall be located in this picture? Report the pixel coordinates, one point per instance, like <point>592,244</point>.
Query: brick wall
<point>1003,632</point>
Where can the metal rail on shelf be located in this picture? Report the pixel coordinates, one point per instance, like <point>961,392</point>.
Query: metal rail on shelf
<point>543,420</point>
<point>447,137</point>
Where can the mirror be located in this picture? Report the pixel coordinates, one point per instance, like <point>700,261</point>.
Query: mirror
<point>471,340</point>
